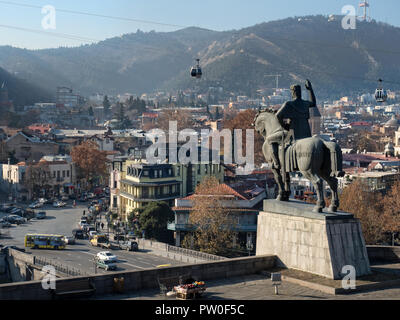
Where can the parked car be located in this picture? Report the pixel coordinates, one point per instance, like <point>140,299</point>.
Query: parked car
<point>59,204</point>
<point>106,264</point>
<point>69,240</point>
<point>78,234</point>
<point>106,255</point>
<point>14,219</point>
<point>42,200</point>
<point>36,204</point>
<point>72,196</point>
<point>91,195</point>
<point>64,198</point>
<point>9,209</point>
<point>4,224</point>
<point>82,199</point>
<point>48,201</point>
<point>119,237</point>
<point>41,215</point>
<point>130,235</point>
<point>129,245</point>
<point>92,234</point>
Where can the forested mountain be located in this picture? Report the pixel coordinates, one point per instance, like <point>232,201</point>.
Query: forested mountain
<point>337,61</point>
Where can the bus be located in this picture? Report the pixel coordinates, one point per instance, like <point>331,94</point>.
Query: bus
<point>44,241</point>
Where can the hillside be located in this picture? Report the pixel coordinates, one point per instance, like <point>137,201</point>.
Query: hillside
<point>336,60</point>
<point>21,92</point>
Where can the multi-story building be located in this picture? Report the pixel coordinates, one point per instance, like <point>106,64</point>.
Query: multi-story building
<point>135,183</point>
<point>243,204</point>
<point>27,147</point>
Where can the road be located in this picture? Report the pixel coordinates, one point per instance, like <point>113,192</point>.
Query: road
<point>80,256</point>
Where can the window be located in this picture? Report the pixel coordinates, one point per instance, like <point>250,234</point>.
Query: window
<point>115,184</point>
<point>68,173</point>
<point>199,169</point>
<point>206,168</point>
<point>54,174</point>
<point>155,174</point>
<point>178,171</point>
<point>146,173</point>
<point>63,174</point>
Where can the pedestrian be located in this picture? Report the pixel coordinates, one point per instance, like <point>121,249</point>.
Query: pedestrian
<point>83,212</point>
<point>74,204</point>
<point>102,225</point>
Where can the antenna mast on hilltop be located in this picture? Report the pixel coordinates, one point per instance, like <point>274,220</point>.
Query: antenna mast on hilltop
<point>364,6</point>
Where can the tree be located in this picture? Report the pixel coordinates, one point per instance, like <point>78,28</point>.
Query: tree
<point>37,178</point>
<point>123,121</point>
<point>212,221</point>
<point>183,118</point>
<point>91,162</point>
<point>153,220</point>
<point>106,106</point>
<point>244,120</point>
<point>391,209</point>
<point>366,206</point>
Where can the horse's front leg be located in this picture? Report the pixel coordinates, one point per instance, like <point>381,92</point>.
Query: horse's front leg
<point>280,183</point>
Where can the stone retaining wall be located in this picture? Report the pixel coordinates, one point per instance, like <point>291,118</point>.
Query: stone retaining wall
<point>146,279</point>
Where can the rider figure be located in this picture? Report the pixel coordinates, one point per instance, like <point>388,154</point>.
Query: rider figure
<point>297,111</point>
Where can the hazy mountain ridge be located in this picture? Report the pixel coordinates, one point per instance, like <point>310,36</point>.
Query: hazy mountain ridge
<point>21,92</point>
<point>336,60</point>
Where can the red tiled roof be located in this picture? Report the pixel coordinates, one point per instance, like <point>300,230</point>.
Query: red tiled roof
<point>222,190</point>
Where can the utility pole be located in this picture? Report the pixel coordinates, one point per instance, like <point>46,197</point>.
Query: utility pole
<point>276,80</point>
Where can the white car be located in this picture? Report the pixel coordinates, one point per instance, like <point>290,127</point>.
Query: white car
<point>92,233</point>
<point>36,205</point>
<point>106,255</point>
<point>59,204</point>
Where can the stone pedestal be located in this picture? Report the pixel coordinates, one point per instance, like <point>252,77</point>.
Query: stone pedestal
<point>319,243</point>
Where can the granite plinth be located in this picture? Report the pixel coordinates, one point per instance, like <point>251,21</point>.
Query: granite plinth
<point>319,243</point>
<point>301,209</point>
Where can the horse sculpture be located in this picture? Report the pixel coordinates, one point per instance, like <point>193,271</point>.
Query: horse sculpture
<point>314,157</point>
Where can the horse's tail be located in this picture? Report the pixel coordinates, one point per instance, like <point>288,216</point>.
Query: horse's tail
<point>336,158</point>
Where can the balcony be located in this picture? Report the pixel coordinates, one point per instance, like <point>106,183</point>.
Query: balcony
<point>179,226</point>
<point>147,197</point>
<point>189,227</point>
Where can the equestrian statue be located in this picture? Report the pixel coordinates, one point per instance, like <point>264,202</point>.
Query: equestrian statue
<point>290,147</point>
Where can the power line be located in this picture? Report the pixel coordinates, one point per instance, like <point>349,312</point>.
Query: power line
<point>96,15</point>
<point>319,44</point>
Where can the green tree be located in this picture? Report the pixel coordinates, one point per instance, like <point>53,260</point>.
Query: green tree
<point>106,106</point>
<point>153,220</point>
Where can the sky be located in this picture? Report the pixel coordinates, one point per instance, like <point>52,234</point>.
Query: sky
<point>21,20</point>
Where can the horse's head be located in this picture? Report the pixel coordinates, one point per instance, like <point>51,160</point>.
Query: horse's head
<point>263,118</point>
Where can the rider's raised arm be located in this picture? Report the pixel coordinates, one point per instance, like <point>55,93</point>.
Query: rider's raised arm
<point>313,101</point>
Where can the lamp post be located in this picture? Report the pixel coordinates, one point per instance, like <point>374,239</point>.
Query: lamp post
<point>249,246</point>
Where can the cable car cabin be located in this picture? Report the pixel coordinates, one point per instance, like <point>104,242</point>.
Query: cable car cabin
<point>196,72</point>
<point>380,93</point>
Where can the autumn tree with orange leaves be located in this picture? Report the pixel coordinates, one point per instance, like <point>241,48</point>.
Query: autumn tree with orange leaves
<point>244,120</point>
<point>90,161</point>
<point>367,206</point>
<point>391,211</point>
<point>213,222</point>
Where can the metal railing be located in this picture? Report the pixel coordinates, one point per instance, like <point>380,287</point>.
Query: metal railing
<point>194,253</point>
<point>59,267</point>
